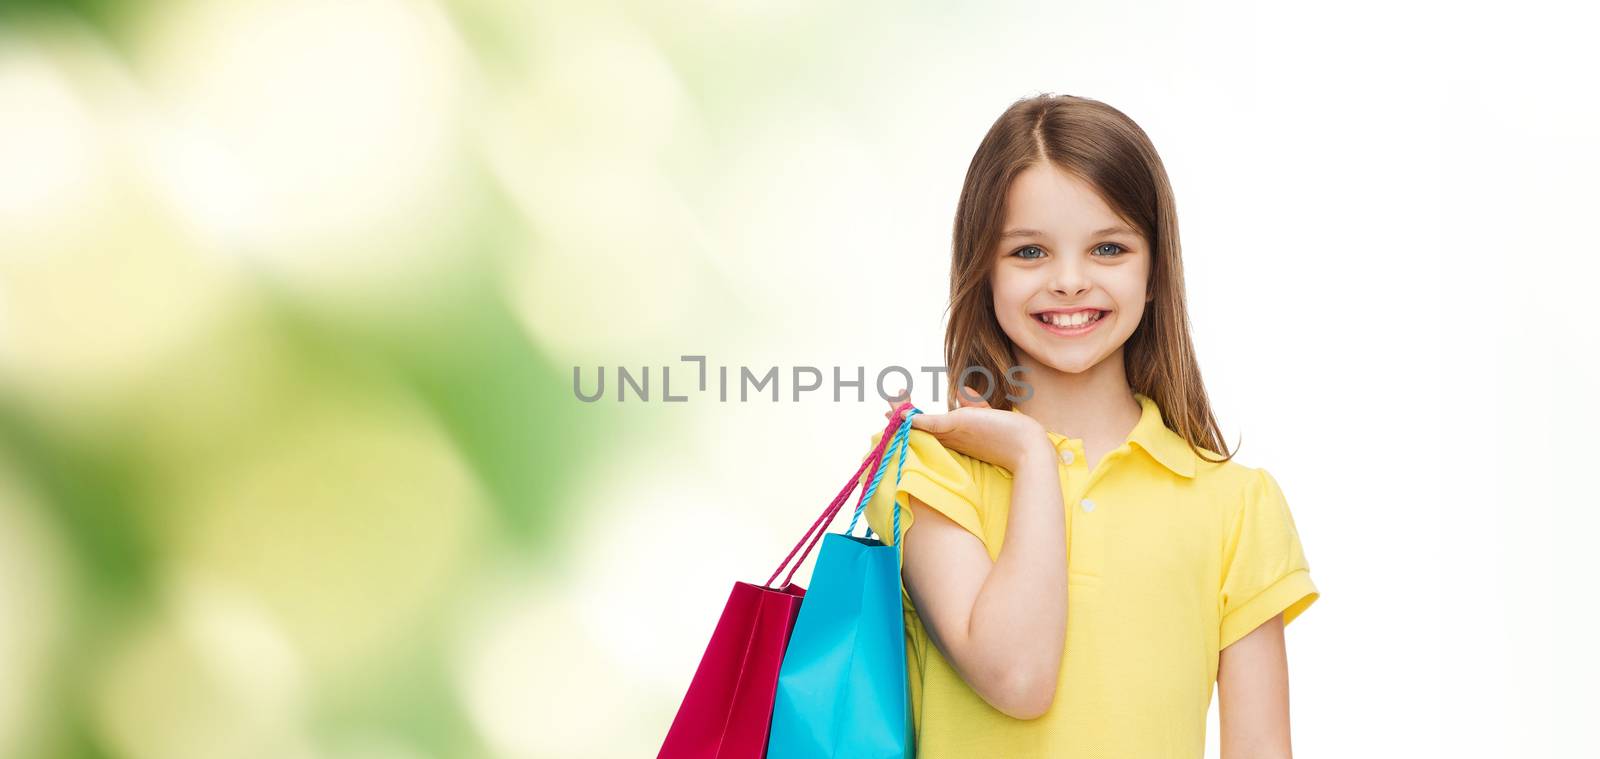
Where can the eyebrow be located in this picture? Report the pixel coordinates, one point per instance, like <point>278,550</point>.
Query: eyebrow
<point>1112,230</point>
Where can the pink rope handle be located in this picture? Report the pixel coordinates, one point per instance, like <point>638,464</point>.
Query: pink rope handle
<point>827,517</point>
<point>873,459</point>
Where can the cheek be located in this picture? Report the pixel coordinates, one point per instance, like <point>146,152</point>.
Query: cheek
<point>1009,295</point>
<point>1010,303</point>
<point>1130,287</point>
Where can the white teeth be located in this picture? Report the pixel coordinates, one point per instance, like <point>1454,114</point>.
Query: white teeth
<point>1077,319</point>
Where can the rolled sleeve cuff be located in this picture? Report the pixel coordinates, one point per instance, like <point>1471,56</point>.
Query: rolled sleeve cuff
<point>1291,594</point>
<point>939,498</point>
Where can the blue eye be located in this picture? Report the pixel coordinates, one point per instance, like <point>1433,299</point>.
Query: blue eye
<point>1021,252</point>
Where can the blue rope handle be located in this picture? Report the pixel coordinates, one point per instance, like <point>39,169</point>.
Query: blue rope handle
<point>902,437</point>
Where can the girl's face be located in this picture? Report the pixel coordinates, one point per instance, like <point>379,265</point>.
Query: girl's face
<point>1064,256</point>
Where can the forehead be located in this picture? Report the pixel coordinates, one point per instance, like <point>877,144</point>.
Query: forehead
<point>1046,198</point>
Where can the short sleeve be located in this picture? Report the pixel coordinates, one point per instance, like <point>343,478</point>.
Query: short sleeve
<point>1264,567</point>
<point>934,474</point>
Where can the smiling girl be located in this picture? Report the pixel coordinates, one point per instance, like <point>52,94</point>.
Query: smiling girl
<point>1081,565</point>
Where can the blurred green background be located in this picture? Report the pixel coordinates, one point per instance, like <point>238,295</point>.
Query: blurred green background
<point>291,294</point>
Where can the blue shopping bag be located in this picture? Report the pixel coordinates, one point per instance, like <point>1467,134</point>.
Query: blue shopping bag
<point>842,689</point>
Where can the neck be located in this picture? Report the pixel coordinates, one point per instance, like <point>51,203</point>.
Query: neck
<point>1093,404</point>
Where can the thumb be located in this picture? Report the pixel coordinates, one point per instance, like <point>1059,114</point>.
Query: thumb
<point>936,424</point>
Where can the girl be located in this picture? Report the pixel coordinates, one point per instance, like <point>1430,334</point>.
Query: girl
<point>1080,564</point>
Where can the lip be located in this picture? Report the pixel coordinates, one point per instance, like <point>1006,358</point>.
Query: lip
<point>1069,310</point>
<point>1069,331</point>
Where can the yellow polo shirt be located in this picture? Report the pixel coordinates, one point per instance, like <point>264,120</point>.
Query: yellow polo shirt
<point>1170,558</point>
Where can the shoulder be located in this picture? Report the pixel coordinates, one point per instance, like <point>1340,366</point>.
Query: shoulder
<point>943,479</point>
<point>1232,484</point>
<point>926,451</point>
<point>929,462</point>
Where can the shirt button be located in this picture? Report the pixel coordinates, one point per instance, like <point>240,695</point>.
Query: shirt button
<point>1066,456</point>
<point>1087,504</point>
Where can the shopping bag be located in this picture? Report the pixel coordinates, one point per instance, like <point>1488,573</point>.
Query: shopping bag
<point>842,690</point>
<point>729,704</point>
<point>727,711</point>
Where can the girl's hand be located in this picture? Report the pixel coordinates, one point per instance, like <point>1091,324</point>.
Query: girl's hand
<point>1002,438</point>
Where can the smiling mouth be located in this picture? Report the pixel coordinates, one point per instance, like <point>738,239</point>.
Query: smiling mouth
<point>1070,321</point>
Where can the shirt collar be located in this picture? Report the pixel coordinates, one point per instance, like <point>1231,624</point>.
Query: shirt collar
<point>1152,436</point>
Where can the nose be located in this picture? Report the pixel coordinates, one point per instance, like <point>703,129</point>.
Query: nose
<point>1069,277</point>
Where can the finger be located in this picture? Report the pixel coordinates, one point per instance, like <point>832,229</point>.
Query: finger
<point>897,399</point>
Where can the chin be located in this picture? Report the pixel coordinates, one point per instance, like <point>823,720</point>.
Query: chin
<point>1064,364</point>
<point>1072,367</point>
<point>1078,363</point>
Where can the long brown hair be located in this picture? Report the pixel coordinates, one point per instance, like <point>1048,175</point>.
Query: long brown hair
<point>1106,149</point>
